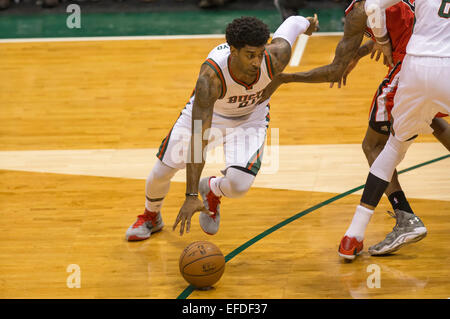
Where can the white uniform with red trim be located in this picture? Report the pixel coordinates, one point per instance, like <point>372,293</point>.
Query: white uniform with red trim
<point>238,123</point>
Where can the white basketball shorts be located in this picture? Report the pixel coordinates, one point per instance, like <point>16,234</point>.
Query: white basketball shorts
<point>423,92</point>
<point>242,138</point>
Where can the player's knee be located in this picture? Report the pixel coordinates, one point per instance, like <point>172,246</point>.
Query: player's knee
<point>240,182</point>
<point>162,172</point>
<point>240,190</point>
<point>372,148</point>
<point>398,148</point>
<point>367,147</point>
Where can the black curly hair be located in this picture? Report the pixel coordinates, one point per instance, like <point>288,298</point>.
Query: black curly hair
<point>247,31</point>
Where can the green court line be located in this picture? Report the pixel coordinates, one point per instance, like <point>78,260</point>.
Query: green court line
<point>255,239</point>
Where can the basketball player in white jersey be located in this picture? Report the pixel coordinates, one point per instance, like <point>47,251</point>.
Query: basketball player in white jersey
<point>423,91</point>
<point>224,105</point>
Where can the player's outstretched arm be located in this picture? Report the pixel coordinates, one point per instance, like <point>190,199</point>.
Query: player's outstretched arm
<point>207,91</point>
<point>355,24</point>
<point>365,49</point>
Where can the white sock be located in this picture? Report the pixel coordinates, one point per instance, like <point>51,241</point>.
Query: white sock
<point>359,223</point>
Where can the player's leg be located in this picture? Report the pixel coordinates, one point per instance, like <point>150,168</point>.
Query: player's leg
<point>243,146</point>
<point>378,133</point>
<point>376,137</point>
<point>441,130</point>
<point>391,154</point>
<point>236,182</point>
<point>156,188</point>
<point>422,93</point>
<point>408,228</point>
<point>377,181</point>
<point>171,157</point>
<point>373,144</point>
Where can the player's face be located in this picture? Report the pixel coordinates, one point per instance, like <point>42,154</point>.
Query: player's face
<point>250,59</point>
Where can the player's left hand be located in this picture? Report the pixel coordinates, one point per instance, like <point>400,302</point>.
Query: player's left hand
<point>376,50</point>
<point>190,206</point>
<point>386,48</point>
<point>349,69</point>
<point>343,79</point>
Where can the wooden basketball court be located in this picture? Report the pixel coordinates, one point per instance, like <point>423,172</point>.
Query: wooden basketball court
<point>80,123</point>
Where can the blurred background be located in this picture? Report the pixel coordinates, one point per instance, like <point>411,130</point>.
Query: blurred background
<point>47,18</point>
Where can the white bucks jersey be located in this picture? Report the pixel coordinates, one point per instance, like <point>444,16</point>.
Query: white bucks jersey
<point>237,98</point>
<point>431,35</point>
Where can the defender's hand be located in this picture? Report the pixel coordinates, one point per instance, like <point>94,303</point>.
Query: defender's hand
<point>386,48</point>
<point>343,79</point>
<point>376,50</point>
<point>313,24</point>
<point>190,206</point>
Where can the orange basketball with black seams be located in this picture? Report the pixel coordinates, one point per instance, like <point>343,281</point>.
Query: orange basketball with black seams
<point>202,264</point>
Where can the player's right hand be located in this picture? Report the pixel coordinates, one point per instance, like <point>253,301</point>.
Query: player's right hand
<point>313,24</point>
<point>190,206</point>
<point>349,69</point>
<point>386,49</point>
<point>376,50</point>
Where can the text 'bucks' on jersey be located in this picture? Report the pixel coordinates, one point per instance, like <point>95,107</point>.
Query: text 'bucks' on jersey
<point>237,98</point>
<point>431,35</point>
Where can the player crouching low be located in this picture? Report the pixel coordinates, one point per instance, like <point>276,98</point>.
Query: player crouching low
<point>227,98</point>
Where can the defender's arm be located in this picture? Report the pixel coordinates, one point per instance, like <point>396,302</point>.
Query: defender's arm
<point>355,24</point>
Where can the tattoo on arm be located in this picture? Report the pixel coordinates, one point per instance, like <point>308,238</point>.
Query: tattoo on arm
<point>207,91</point>
<point>280,50</point>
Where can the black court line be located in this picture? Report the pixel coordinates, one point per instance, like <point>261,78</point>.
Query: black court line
<point>186,292</point>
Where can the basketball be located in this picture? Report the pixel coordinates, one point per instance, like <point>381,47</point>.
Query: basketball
<point>202,264</point>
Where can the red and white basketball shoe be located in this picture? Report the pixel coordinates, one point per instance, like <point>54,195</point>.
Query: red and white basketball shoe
<point>145,225</point>
<point>209,224</point>
<point>350,247</point>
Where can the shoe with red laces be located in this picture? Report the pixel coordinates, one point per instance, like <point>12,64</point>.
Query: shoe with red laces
<point>350,247</point>
<point>209,224</point>
<point>145,225</point>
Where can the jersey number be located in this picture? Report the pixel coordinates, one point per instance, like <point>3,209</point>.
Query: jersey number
<point>444,10</point>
